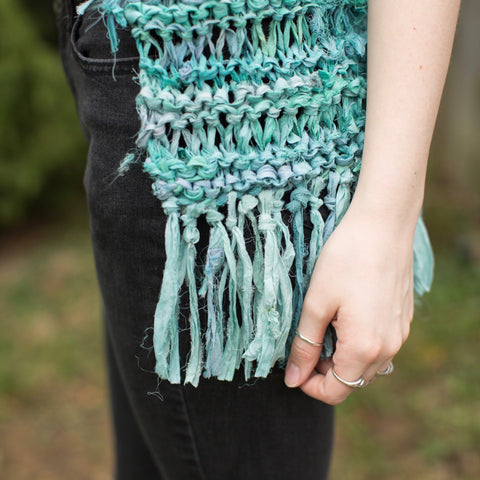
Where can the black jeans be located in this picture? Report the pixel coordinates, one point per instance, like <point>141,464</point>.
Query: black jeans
<point>238,430</point>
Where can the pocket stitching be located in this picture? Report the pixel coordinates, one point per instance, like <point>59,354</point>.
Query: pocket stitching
<point>122,65</point>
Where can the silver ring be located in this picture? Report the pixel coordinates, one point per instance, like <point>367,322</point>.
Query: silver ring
<point>311,342</point>
<point>360,383</point>
<point>388,370</point>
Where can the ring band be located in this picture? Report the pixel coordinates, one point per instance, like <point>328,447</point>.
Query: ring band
<point>311,342</point>
<point>387,371</point>
<point>360,383</point>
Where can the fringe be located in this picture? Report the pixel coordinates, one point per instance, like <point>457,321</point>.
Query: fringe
<point>260,333</point>
<point>423,259</point>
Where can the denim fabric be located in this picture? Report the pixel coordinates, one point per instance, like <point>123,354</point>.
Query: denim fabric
<point>238,430</point>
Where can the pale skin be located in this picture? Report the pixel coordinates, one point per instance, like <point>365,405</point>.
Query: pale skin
<point>363,277</point>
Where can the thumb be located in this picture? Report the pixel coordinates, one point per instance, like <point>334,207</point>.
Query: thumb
<point>304,356</point>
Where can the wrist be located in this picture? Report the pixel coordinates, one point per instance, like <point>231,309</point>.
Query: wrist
<point>395,213</point>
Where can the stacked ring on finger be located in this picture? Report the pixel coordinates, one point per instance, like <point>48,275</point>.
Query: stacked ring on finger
<point>387,371</point>
<point>311,342</point>
<point>360,383</point>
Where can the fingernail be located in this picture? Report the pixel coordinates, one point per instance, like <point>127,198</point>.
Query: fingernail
<point>292,374</point>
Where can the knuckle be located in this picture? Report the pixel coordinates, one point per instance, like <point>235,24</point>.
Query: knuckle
<point>393,347</point>
<point>301,353</point>
<point>370,350</point>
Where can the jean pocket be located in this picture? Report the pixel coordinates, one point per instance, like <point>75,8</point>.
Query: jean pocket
<point>91,46</point>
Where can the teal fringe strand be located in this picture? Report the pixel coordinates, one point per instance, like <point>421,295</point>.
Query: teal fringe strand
<point>286,260</point>
<point>214,261</point>
<point>245,278</point>
<point>423,259</point>
<point>165,331</point>
<point>318,224</point>
<point>298,201</point>
<point>273,315</point>
<point>231,357</point>
<point>191,236</point>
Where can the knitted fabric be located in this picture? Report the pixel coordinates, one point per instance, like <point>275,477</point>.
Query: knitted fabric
<point>241,103</point>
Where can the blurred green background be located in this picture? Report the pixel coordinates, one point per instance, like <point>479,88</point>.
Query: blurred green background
<point>422,422</point>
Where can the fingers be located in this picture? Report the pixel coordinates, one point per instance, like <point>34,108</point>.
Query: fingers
<point>324,386</point>
<point>324,365</point>
<point>369,335</point>
<point>386,353</point>
<point>386,369</point>
<point>327,388</point>
<point>318,386</point>
<point>388,348</point>
<point>327,381</point>
<point>303,355</point>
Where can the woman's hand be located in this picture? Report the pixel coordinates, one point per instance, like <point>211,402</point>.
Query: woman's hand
<point>363,278</point>
<point>363,284</point>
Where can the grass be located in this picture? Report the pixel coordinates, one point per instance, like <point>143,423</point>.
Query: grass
<point>53,410</point>
<point>421,422</point>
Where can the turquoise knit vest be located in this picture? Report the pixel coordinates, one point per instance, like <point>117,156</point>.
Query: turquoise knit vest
<point>242,102</point>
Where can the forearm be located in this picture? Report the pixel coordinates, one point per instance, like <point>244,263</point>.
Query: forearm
<point>409,49</point>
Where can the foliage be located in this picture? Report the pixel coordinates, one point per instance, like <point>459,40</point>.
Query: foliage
<point>43,13</point>
<point>41,147</point>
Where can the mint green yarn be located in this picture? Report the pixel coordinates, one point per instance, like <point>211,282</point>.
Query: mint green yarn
<point>257,106</point>
<point>165,336</point>
<point>423,259</point>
